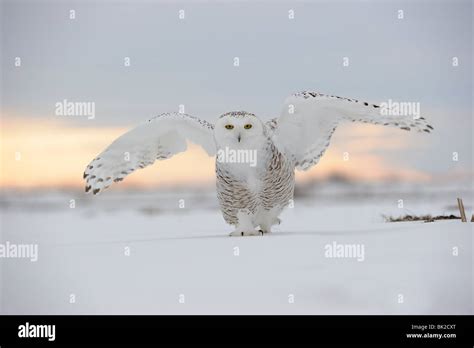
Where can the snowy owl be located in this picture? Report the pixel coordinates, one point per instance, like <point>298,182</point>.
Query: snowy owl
<point>255,161</point>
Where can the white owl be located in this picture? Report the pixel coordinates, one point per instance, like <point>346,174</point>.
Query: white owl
<point>255,161</point>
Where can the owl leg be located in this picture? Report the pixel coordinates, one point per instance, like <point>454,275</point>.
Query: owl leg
<point>267,227</point>
<point>268,218</point>
<point>245,226</point>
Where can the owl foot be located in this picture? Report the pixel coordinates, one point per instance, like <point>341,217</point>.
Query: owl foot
<point>240,233</point>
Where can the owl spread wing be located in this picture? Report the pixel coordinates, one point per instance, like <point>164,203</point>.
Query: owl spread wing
<point>156,139</point>
<point>308,120</point>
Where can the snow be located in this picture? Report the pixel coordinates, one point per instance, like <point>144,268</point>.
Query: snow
<point>188,252</point>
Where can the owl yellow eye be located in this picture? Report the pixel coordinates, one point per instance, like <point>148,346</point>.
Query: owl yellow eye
<point>229,126</point>
<point>248,126</point>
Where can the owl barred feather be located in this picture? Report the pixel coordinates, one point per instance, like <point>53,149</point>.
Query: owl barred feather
<point>251,197</point>
<point>276,190</point>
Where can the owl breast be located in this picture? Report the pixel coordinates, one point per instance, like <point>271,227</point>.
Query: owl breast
<point>268,186</point>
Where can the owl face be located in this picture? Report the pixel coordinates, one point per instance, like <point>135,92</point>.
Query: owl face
<point>239,130</point>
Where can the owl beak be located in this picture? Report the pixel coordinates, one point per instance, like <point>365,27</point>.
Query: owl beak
<point>239,137</point>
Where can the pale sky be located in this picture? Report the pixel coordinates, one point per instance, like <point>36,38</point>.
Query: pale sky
<point>190,62</point>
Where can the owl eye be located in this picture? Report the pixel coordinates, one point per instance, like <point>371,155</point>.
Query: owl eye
<point>229,126</point>
<point>248,126</point>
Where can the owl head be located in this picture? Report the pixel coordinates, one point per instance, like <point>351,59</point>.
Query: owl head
<point>239,129</point>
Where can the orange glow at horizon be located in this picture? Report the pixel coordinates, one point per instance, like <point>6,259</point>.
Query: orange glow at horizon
<point>55,155</point>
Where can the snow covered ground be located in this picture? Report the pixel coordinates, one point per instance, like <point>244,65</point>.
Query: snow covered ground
<point>139,253</point>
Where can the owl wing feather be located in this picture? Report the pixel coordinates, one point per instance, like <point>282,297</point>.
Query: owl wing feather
<point>308,120</point>
<point>159,138</point>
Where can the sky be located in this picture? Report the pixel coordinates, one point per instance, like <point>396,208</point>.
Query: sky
<point>190,62</point>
